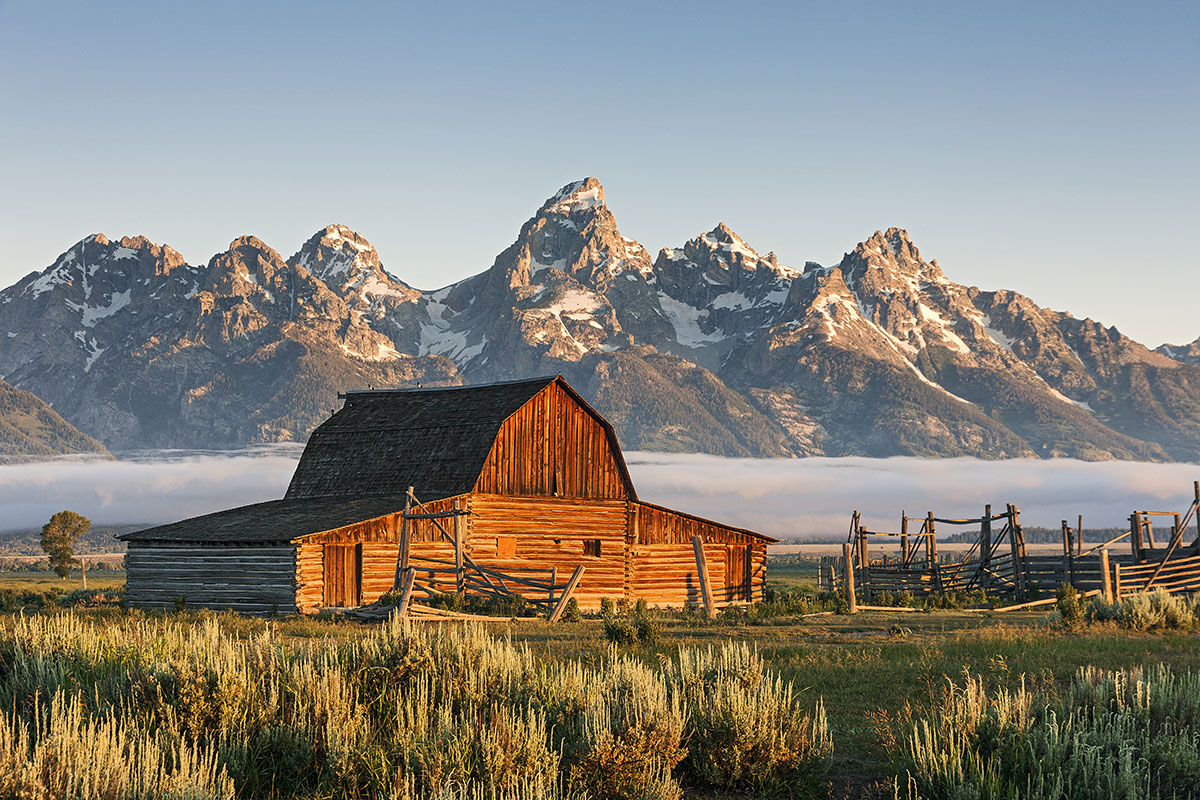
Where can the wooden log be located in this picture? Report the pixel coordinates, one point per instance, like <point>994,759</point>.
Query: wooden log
<point>931,538</point>
<point>402,555</point>
<point>561,606</point>
<point>849,566</point>
<point>702,572</point>
<point>864,562</point>
<point>409,578</point>
<point>887,608</point>
<point>1105,581</point>
<point>458,551</point>
<point>1033,603</point>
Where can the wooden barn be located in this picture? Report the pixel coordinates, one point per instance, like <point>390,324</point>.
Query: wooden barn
<point>502,488</point>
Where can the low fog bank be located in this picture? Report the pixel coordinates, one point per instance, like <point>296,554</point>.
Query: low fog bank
<point>813,497</point>
<point>810,497</point>
<point>151,489</point>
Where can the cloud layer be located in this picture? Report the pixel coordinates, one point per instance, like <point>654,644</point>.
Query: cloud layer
<point>810,497</point>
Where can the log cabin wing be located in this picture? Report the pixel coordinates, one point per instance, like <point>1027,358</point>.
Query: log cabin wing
<point>536,474</point>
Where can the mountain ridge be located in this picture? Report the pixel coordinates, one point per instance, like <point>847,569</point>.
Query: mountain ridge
<point>709,345</point>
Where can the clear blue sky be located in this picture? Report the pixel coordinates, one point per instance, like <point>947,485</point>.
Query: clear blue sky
<point>1045,147</point>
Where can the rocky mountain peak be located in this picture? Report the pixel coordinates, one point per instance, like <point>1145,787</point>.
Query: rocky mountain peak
<point>574,233</point>
<point>349,265</point>
<point>888,261</point>
<point>583,195</point>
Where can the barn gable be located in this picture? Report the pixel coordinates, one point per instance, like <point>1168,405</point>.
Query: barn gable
<point>556,445</point>
<point>440,441</point>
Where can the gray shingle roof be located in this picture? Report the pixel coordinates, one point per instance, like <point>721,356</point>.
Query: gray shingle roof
<point>382,442</point>
<point>273,521</point>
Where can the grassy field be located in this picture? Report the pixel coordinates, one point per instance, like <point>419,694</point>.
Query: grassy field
<point>876,672</point>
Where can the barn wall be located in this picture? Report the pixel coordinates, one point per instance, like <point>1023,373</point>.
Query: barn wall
<point>663,562</point>
<point>249,579</point>
<point>380,541</point>
<point>552,446</point>
<point>550,532</point>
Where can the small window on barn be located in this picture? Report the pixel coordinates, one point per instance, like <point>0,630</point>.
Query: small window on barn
<point>506,547</point>
<point>591,547</point>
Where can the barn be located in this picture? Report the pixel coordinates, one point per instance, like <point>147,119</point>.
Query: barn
<point>501,487</point>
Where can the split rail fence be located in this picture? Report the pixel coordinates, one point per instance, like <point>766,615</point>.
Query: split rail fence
<point>999,564</point>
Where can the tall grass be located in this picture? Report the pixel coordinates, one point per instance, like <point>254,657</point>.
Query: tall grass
<point>400,712</point>
<point>1128,734</point>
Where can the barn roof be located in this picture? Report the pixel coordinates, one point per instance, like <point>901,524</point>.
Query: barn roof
<point>435,440</point>
<point>276,521</point>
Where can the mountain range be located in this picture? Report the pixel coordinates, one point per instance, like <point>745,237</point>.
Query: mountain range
<point>709,346</point>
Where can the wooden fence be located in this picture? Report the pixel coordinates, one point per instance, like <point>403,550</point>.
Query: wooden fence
<point>997,562</point>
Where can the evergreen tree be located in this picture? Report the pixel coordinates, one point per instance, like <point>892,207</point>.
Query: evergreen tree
<point>59,536</point>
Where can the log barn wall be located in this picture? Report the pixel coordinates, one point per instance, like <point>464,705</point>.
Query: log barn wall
<point>551,532</point>
<point>256,579</point>
<point>552,446</point>
<point>380,539</point>
<point>663,563</point>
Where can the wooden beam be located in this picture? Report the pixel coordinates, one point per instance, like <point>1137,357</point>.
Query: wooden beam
<point>702,572</point>
<point>410,577</point>
<point>402,555</point>
<point>849,567</point>
<point>1105,577</point>
<point>561,606</point>
<point>458,553</point>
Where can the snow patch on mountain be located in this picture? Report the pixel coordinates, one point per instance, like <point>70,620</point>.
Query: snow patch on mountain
<point>90,315</point>
<point>686,321</point>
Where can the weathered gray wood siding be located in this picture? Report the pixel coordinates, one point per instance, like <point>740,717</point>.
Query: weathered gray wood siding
<point>249,579</point>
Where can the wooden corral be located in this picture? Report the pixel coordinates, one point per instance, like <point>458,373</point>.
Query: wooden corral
<point>998,563</point>
<point>511,488</point>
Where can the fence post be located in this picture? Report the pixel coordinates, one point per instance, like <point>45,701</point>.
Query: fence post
<point>1068,555</point>
<point>1135,535</point>
<point>1020,579</point>
<point>458,554</point>
<point>410,576</point>
<point>702,573</point>
<point>985,539</point>
<point>851,603</point>
<point>1105,579</point>
<point>904,539</point>
<point>1116,583</point>
<point>402,556</point>
<point>863,560</point>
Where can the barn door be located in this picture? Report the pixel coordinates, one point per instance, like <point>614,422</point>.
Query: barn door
<point>343,575</point>
<point>737,572</point>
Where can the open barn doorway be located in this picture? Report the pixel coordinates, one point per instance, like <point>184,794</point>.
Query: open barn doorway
<point>343,575</point>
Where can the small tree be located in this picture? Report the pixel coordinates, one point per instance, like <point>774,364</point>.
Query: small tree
<point>59,536</point>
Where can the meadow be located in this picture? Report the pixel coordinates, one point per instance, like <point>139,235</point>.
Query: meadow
<point>790,700</point>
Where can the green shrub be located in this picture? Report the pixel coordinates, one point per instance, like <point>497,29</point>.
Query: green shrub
<point>628,627</point>
<point>1070,612</point>
<point>1150,611</point>
<point>747,731</point>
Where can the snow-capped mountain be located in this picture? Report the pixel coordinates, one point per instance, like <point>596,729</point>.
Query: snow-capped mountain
<point>710,346</point>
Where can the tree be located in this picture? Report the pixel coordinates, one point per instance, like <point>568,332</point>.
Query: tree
<point>59,536</point>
